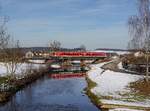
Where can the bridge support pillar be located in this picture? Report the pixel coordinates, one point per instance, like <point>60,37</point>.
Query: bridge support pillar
<point>66,64</point>
<point>82,65</point>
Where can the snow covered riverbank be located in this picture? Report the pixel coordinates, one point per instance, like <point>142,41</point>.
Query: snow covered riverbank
<point>22,68</point>
<point>25,74</point>
<point>112,88</point>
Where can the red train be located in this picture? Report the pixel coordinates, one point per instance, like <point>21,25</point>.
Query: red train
<point>79,54</point>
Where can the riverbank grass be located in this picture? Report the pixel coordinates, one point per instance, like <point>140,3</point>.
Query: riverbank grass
<point>3,80</point>
<point>92,96</point>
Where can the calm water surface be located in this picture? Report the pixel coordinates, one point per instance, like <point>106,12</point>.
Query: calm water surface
<point>52,95</point>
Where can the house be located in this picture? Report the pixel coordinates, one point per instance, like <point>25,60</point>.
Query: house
<point>138,54</point>
<point>29,54</point>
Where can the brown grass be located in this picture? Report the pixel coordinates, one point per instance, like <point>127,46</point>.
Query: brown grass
<point>141,87</point>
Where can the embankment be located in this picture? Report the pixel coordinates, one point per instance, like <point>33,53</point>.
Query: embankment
<point>18,84</point>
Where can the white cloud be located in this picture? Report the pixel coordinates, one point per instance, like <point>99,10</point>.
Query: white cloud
<point>100,23</point>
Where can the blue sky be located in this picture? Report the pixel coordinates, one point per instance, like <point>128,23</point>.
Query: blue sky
<point>94,23</point>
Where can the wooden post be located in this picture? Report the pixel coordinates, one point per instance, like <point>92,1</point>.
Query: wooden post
<point>147,66</point>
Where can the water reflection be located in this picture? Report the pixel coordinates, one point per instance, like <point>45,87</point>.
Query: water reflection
<point>42,107</point>
<point>52,95</point>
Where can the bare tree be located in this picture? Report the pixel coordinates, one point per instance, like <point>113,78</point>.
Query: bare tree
<point>139,28</point>
<point>11,53</point>
<point>4,36</point>
<point>12,57</point>
<point>83,48</point>
<point>55,45</point>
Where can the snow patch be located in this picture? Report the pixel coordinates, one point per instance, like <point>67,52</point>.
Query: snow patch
<point>21,69</point>
<point>117,102</point>
<point>120,66</point>
<point>55,66</point>
<point>113,84</point>
<point>110,51</point>
<point>124,109</point>
<point>37,61</point>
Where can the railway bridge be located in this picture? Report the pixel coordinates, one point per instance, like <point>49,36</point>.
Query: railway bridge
<point>71,56</point>
<point>78,55</point>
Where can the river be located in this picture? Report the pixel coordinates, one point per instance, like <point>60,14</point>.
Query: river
<point>48,94</point>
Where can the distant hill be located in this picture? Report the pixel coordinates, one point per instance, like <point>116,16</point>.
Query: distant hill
<point>46,49</point>
<point>109,49</point>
